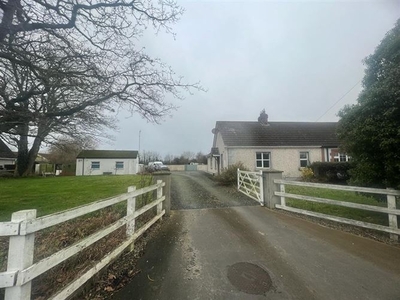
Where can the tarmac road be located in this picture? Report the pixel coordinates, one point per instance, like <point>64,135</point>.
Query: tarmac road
<point>250,252</point>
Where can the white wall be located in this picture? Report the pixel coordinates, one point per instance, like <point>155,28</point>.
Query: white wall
<point>6,161</point>
<point>83,166</point>
<point>282,159</point>
<point>286,159</point>
<point>173,168</point>
<point>211,161</point>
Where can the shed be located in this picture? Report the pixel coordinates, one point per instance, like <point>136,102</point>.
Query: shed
<point>107,162</point>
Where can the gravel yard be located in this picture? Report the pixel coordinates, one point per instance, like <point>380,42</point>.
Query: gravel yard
<point>195,190</point>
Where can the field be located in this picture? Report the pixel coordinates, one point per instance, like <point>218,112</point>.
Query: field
<point>345,212</point>
<point>53,194</point>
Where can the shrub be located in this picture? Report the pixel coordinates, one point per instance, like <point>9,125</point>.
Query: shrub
<point>332,172</point>
<point>228,175</point>
<point>307,174</point>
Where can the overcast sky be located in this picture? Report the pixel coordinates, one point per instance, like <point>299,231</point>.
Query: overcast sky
<point>296,59</point>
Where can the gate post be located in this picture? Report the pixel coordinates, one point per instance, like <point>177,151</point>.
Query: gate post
<point>269,187</point>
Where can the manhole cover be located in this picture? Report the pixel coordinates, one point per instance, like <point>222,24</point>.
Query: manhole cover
<point>249,278</point>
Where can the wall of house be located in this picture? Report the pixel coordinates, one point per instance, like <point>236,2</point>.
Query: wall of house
<point>283,159</point>
<point>211,161</point>
<point>6,161</point>
<point>107,165</point>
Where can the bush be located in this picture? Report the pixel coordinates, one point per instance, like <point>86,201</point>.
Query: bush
<point>6,174</point>
<point>228,175</point>
<point>331,172</point>
<point>307,174</point>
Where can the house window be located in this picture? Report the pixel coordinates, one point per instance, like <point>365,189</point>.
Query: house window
<point>304,160</point>
<point>263,159</point>
<point>95,165</point>
<point>119,164</point>
<point>341,157</point>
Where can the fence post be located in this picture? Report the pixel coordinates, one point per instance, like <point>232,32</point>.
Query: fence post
<point>283,199</point>
<point>391,204</point>
<point>270,187</point>
<point>261,183</point>
<point>130,210</point>
<point>159,195</point>
<point>238,178</point>
<point>20,256</point>
<point>165,177</point>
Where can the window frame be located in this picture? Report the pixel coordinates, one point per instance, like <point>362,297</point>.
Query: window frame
<point>118,163</point>
<point>92,163</point>
<point>341,157</point>
<point>307,159</point>
<point>262,160</point>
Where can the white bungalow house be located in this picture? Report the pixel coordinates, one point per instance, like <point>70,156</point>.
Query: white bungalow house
<point>7,157</point>
<point>107,162</point>
<point>284,146</point>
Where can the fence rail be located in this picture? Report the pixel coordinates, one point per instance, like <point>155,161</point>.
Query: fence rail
<point>391,209</point>
<point>21,230</point>
<point>251,184</point>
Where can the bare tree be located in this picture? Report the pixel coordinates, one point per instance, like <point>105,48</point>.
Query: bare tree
<point>66,65</point>
<point>65,150</point>
<point>188,156</point>
<point>168,158</point>
<point>149,156</point>
<point>201,158</point>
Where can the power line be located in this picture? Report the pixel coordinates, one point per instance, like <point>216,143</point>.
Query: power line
<point>338,100</point>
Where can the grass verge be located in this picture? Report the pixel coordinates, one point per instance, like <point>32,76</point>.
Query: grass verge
<point>339,211</point>
<point>52,194</point>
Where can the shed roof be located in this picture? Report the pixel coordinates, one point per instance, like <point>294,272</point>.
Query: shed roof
<point>255,134</point>
<point>107,154</point>
<point>5,152</point>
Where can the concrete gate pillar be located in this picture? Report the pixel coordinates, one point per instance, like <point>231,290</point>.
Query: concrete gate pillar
<point>269,187</point>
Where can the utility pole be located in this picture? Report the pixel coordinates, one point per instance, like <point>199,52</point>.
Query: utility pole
<point>139,145</point>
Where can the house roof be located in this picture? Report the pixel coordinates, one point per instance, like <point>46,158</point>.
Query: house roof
<point>5,152</point>
<point>255,134</point>
<point>107,154</point>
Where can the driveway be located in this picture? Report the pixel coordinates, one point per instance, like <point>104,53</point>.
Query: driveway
<point>218,244</point>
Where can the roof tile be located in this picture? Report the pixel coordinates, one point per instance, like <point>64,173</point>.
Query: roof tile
<point>255,134</point>
<point>5,152</point>
<point>107,154</point>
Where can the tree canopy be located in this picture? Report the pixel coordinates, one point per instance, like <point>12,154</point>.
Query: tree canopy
<point>67,65</point>
<point>370,130</point>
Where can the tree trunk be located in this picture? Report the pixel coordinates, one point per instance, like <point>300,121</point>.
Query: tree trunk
<point>23,153</point>
<point>32,157</point>
<point>26,158</point>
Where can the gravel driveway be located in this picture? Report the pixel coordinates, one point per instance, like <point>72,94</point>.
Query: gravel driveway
<point>219,244</point>
<point>195,190</point>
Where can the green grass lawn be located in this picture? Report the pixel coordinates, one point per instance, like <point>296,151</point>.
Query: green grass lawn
<point>53,194</point>
<point>345,212</point>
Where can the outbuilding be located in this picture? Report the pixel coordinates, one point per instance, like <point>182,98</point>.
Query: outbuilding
<point>7,157</point>
<point>107,162</point>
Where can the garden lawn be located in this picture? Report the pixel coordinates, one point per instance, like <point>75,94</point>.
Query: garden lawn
<point>52,194</point>
<point>339,211</point>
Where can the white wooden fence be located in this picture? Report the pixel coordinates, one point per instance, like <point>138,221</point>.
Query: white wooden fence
<point>251,184</point>
<point>391,209</point>
<point>21,230</point>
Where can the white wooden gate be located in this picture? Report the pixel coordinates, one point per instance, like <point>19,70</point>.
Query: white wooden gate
<point>251,184</point>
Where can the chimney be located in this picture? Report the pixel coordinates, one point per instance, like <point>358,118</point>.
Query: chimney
<point>263,118</point>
